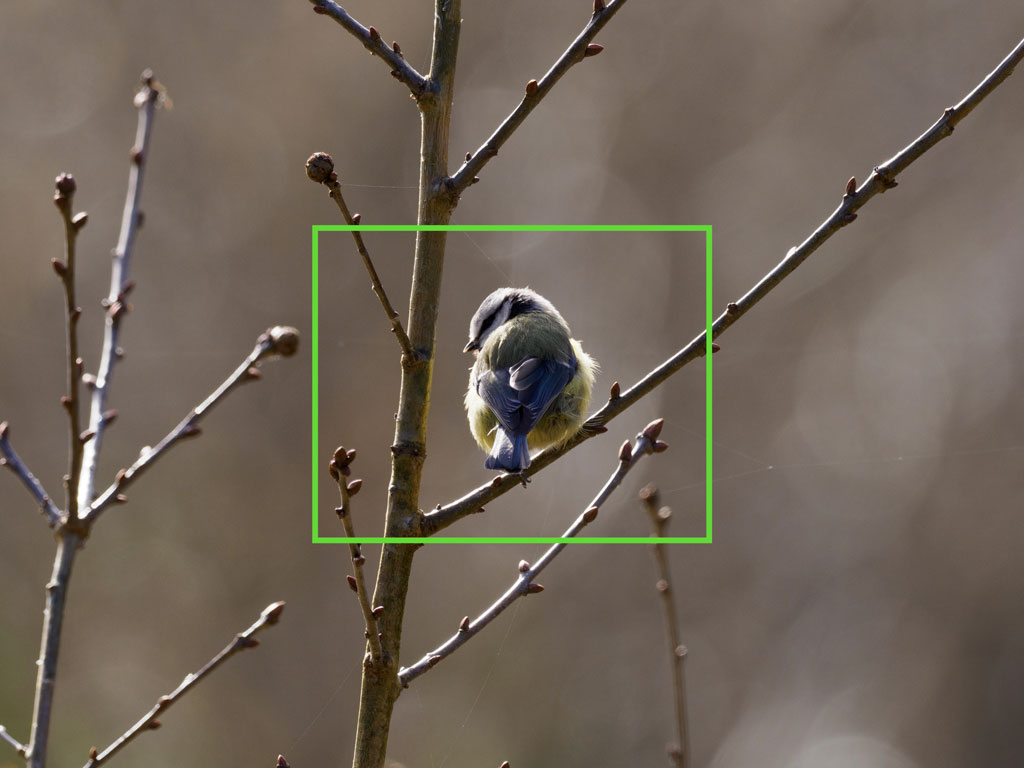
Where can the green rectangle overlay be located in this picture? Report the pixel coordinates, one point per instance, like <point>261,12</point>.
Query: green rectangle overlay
<point>317,462</point>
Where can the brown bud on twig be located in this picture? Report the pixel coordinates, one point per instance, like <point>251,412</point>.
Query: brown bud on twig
<point>339,511</point>
<point>649,494</point>
<point>592,50</point>
<point>469,156</point>
<point>626,451</point>
<point>319,9</point>
<point>531,88</point>
<point>252,373</point>
<point>285,340</point>
<point>109,417</point>
<point>66,184</point>
<point>354,486</point>
<point>396,47</point>
<point>590,515</point>
<point>59,267</point>
<point>356,218</point>
<point>464,624</point>
<point>851,186</point>
<point>350,455</point>
<point>120,476</point>
<point>93,753</point>
<point>533,589</point>
<point>120,498</point>
<point>732,308</point>
<point>191,431</point>
<point>660,446</point>
<point>374,34</point>
<point>653,430</point>
<point>273,612</point>
<point>615,392</point>
<point>661,585</point>
<point>599,6</point>
<point>849,219</point>
<point>3,429</point>
<point>715,348</point>
<point>378,611</point>
<point>358,560</point>
<point>154,725</point>
<point>88,435</point>
<point>353,585</point>
<point>319,165</point>
<point>523,566</point>
<point>505,765</point>
<point>80,219</point>
<point>281,762</point>
<point>433,661</point>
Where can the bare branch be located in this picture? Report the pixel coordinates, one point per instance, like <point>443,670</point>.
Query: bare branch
<point>535,92</point>
<point>68,542</point>
<point>320,168</point>
<point>679,753</point>
<point>340,470</point>
<point>646,442</point>
<point>11,460</point>
<point>63,198</point>
<point>372,41</point>
<point>18,747</point>
<point>279,340</point>
<point>881,179</point>
<point>147,99</point>
<point>148,722</point>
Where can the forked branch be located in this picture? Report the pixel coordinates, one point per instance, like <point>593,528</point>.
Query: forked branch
<point>880,179</point>
<point>11,460</point>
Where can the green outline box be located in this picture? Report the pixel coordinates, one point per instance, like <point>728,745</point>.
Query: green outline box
<point>317,464</point>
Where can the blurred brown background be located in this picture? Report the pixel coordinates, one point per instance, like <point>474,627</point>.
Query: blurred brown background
<point>861,604</point>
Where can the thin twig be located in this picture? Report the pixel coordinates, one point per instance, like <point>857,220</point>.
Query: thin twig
<point>63,198</point>
<point>20,748</point>
<point>147,99</point>
<point>320,168</point>
<point>372,41</point>
<point>340,470</point>
<point>881,178</point>
<point>148,722</point>
<point>646,442</point>
<point>678,753</point>
<point>535,92</point>
<point>279,340</point>
<point>13,462</point>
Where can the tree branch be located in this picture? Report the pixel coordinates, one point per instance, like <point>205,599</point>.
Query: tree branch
<point>679,753</point>
<point>320,168</point>
<point>536,90</point>
<point>371,40</point>
<point>11,460</point>
<point>340,470</point>
<point>279,340</point>
<point>18,747</point>
<point>881,179</point>
<point>147,99</point>
<point>63,198</point>
<point>148,722</point>
<point>646,442</point>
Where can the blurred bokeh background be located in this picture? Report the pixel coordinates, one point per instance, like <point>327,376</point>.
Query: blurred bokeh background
<point>861,603</point>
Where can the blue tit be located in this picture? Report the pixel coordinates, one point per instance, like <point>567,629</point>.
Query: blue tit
<point>531,383</point>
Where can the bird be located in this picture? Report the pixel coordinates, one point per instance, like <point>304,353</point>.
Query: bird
<point>531,382</point>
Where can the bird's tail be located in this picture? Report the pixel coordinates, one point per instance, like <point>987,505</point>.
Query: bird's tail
<point>510,454</point>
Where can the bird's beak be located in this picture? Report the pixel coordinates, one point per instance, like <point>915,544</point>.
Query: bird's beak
<point>471,346</point>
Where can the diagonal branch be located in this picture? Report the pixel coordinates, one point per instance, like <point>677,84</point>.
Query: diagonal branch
<point>646,442</point>
<point>11,460</point>
<point>270,616</point>
<point>536,90</point>
<point>320,168</point>
<point>881,179</point>
<point>149,97</point>
<point>371,40</point>
<point>340,470</point>
<point>279,340</point>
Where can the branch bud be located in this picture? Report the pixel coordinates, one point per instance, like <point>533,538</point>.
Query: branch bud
<point>80,219</point>
<point>851,186</point>
<point>378,611</point>
<point>592,50</point>
<point>626,451</point>
<point>284,340</point>
<point>464,624</point>
<point>653,430</point>
<point>356,218</point>
<point>354,486</point>
<point>66,185</point>
<point>590,515</point>
<point>531,88</point>
<point>319,165</point>
<point>615,392</point>
<point>533,589</point>
<point>374,35</point>
<point>523,566</point>
<point>59,267</point>
<point>273,612</point>
<point>353,585</point>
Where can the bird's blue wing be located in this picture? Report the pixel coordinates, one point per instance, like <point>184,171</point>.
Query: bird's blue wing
<point>519,396</point>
